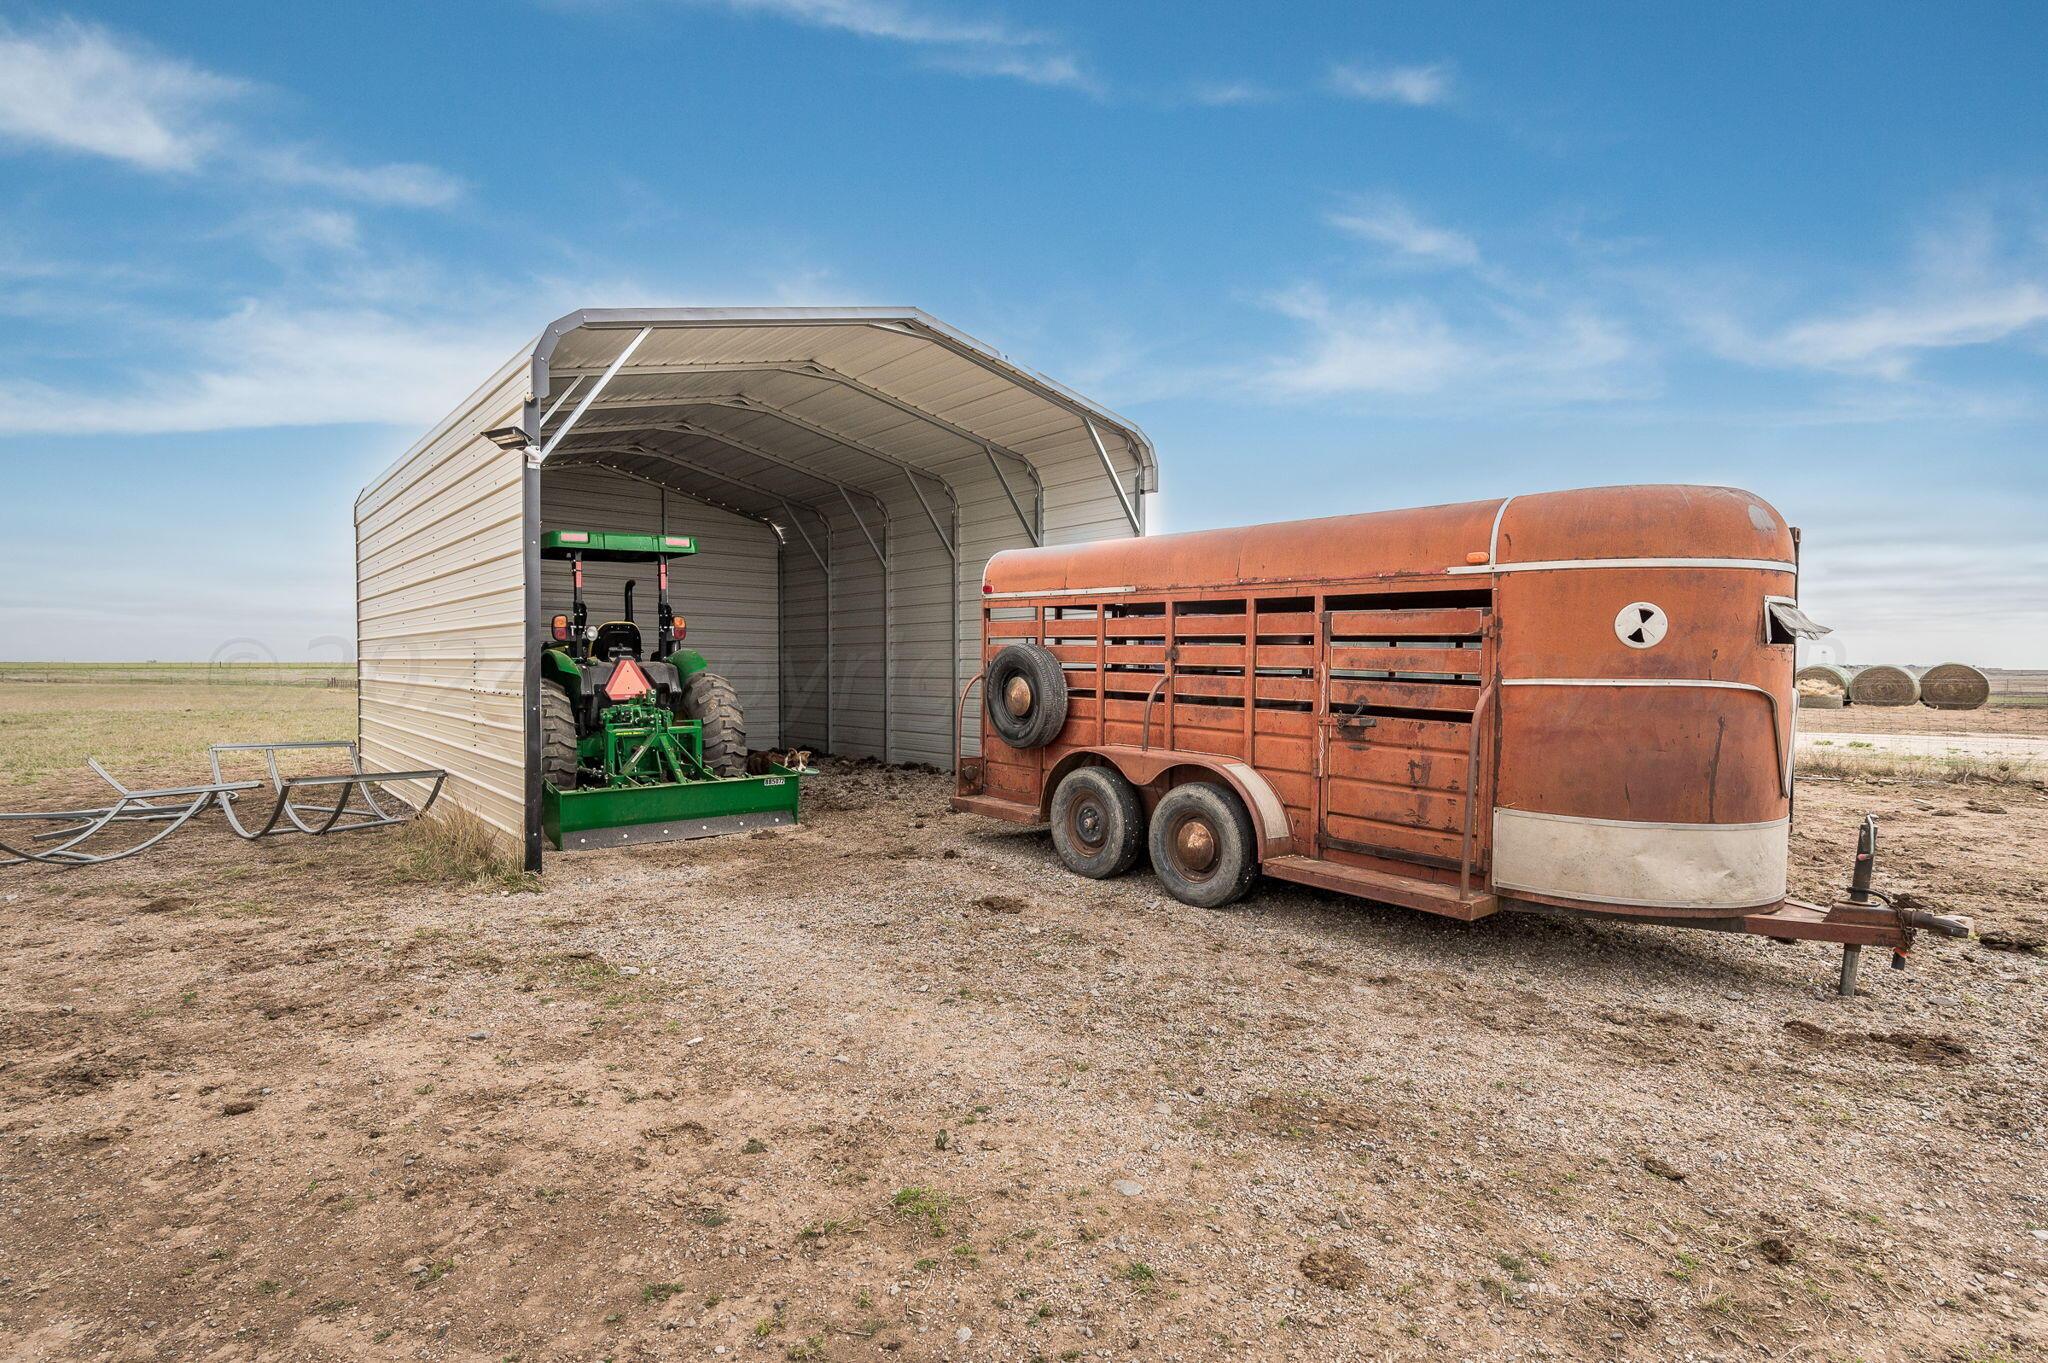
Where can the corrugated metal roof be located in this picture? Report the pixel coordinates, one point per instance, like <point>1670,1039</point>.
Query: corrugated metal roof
<point>831,387</point>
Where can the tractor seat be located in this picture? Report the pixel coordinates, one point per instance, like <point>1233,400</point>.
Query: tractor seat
<point>617,639</point>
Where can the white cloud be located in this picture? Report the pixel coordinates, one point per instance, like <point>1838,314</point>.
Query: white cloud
<point>78,88</point>
<point>1404,347</point>
<point>1389,222</point>
<point>403,184</point>
<point>1418,86</point>
<point>82,89</point>
<point>1413,347</point>
<point>271,365</point>
<point>970,46</point>
<point>1223,94</point>
<point>1886,340</point>
<point>1974,281</point>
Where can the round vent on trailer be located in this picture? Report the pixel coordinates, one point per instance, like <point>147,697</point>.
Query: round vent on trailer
<point>1641,624</point>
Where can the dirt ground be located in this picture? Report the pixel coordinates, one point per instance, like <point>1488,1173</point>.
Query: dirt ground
<point>892,1084</point>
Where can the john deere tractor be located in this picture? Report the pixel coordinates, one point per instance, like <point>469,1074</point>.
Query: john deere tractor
<point>641,743</point>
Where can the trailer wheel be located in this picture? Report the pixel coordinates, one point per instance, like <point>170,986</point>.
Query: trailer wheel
<point>1097,822</point>
<point>1025,693</point>
<point>1201,845</point>
<point>557,736</point>
<point>710,700</point>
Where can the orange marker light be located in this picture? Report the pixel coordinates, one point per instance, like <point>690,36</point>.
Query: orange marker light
<point>676,626</point>
<point>1477,556</point>
<point>560,626</point>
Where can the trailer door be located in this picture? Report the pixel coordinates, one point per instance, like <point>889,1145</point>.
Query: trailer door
<point>1397,761</point>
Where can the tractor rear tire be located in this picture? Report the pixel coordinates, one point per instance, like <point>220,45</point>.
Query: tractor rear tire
<point>710,700</point>
<point>557,736</point>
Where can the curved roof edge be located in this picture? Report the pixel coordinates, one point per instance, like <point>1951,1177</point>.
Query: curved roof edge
<point>914,321</point>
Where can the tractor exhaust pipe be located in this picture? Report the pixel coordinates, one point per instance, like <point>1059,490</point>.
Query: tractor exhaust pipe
<point>629,600</point>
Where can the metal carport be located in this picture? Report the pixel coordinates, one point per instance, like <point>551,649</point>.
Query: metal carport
<point>848,471</point>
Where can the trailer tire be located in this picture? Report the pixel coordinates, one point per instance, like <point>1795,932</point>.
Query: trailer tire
<point>1202,845</point>
<point>1025,694</point>
<point>557,736</point>
<point>710,700</point>
<point>1098,822</point>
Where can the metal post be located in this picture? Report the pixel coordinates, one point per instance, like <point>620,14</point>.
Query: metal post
<point>1030,529</point>
<point>1852,960</point>
<point>576,414</point>
<point>1130,512</point>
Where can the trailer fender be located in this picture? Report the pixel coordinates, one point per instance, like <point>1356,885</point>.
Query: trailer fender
<point>1142,767</point>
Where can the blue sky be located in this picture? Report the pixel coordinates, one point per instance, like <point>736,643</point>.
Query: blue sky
<point>1331,257</point>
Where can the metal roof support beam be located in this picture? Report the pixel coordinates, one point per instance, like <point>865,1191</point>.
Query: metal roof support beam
<point>1037,540</point>
<point>1130,512</point>
<point>812,369</point>
<point>765,456</point>
<point>809,544</point>
<point>657,484</point>
<point>596,388</point>
<point>866,534</point>
<point>556,406</point>
<point>932,516</point>
<point>743,402</point>
<point>648,452</point>
<point>747,403</point>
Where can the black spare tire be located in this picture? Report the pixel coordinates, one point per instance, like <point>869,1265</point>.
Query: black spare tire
<point>1025,693</point>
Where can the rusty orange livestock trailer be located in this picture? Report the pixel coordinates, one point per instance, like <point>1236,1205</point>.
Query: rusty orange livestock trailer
<point>1572,701</point>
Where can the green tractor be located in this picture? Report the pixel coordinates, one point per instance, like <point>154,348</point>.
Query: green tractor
<point>640,743</point>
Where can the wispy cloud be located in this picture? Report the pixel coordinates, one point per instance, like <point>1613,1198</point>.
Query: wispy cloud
<point>1886,340</point>
<point>1417,86</point>
<point>1975,280</point>
<point>405,184</point>
<point>77,88</point>
<point>1412,347</point>
<point>968,45</point>
<point>270,365</point>
<point>84,90</point>
<point>1226,93</point>
<point>1388,221</point>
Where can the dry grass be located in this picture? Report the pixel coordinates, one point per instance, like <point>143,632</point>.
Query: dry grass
<point>341,675</point>
<point>455,847</point>
<point>148,732</point>
<point>1852,763</point>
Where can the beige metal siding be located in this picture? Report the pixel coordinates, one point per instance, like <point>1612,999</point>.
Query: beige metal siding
<point>441,605</point>
<point>857,636</point>
<point>806,641</point>
<point>726,591</point>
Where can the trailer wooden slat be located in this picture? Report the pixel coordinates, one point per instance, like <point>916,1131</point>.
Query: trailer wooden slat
<point>1437,622</point>
<point>1354,658</point>
<point>1402,695</point>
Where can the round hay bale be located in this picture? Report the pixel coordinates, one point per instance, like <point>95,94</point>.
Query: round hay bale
<point>1954,686</point>
<point>1884,684</point>
<point>1823,684</point>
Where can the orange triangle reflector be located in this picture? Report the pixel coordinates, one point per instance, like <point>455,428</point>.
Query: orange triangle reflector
<point>627,681</point>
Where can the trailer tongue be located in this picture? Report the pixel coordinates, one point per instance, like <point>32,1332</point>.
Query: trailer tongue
<point>642,744</point>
